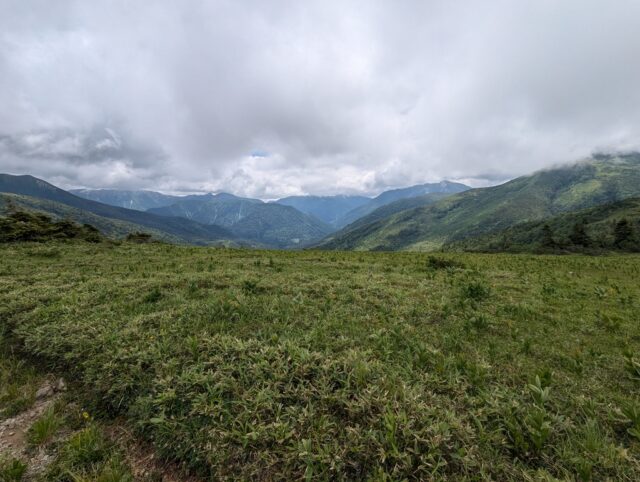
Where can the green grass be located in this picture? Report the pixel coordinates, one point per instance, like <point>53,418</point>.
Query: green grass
<point>45,427</point>
<point>11,469</point>
<point>244,364</point>
<point>18,382</point>
<point>88,456</point>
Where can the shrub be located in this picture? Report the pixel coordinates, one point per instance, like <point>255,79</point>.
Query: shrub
<point>139,237</point>
<point>153,296</point>
<point>632,366</point>
<point>434,262</point>
<point>25,226</point>
<point>251,287</point>
<point>475,290</point>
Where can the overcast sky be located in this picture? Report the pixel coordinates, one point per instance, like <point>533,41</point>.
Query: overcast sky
<point>272,98</point>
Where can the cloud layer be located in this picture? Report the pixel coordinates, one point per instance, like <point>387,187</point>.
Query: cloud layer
<point>270,98</point>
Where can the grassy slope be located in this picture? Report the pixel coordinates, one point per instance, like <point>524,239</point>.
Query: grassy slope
<point>278,365</point>
<point>386,211</point>
<point>394,195</point>
<point>527,237</point>
<point>480,211</point>
<point>184,229</point>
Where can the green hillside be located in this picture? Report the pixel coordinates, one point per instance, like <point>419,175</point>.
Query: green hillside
<point>176,228</point>
<point>393,195</point>
<point>111,228</point>
<point>388,210</point>
<point>612,226</point>
<point>544,194</point>
<point>28,226</point>
<point>271,224</point>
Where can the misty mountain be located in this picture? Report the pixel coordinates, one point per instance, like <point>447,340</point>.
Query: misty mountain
<point>392,208</point>
<point>180,229</point>
<point>329,209</point>
<point>387,197</point>
<point>268,223</point>
<point>601,179</point>
<point>139,200</point>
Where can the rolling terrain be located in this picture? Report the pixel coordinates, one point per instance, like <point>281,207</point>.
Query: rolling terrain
<point>392,208</point>
<point>175,228</point>
<point>602,179</point>
<point>110,227</point>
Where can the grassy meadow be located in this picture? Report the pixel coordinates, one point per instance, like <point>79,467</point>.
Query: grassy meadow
<point>263,365</point>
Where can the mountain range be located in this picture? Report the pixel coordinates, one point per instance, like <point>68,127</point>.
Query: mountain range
<point>270,224</point>
<point>339,211</point>
<point>294,221</point>
<point>423,217</point>
<point>138,200</point>
<point>172,228</point>
<point>598,180</point>
<point>387,197</point>
<point>329,209</point>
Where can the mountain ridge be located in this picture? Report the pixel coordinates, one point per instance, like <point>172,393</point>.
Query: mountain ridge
<point>554,234</point>
<point>392,195</point>
<point>274,224</point>
<point>180,228</point>
<point>479,211</point>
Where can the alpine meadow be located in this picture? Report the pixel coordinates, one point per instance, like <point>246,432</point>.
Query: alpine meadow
<point>319,241</point>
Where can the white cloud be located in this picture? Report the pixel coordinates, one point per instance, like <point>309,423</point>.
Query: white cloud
<point>349,96</point>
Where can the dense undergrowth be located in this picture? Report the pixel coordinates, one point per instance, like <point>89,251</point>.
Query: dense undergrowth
<point>246,364</point>
<point>27,226</point>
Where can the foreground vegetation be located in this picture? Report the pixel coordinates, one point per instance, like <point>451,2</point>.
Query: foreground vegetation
<point>63,442</point>
<point>244,364</point>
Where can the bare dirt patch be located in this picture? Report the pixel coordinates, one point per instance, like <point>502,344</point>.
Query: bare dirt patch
<point>13,431</point>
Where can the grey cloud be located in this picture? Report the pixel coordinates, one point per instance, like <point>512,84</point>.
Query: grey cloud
<point>352,96</point>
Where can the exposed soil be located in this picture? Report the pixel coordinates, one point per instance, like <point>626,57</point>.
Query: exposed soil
<point>13,432</point>
<point>141,458</point>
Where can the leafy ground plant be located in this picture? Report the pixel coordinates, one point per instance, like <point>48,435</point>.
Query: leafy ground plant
<point>88,456</point>
<point>338,366</point>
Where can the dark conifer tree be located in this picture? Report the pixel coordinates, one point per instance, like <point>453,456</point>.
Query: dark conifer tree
<point>622,233</point>
<point>579,236</point>
<point>547,238</point>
